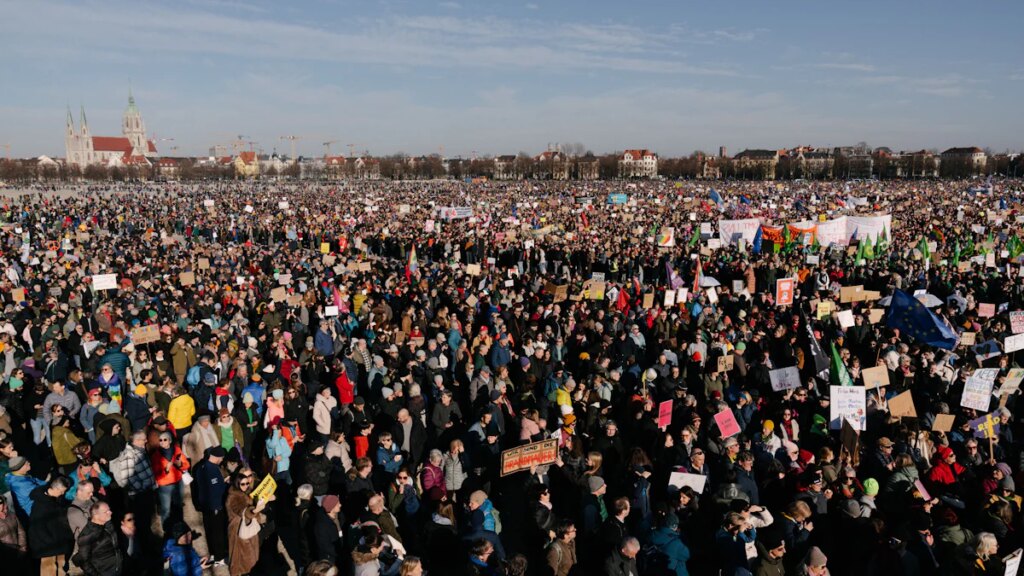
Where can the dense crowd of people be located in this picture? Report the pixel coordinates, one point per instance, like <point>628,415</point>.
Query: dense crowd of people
<point>327,380</point>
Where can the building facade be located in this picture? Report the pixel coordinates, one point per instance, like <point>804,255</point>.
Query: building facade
<point>638,164</point>
<point>83,149</point>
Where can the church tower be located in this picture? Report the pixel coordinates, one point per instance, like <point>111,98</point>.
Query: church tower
<point>71,140</point>
<point>132,127</point>
<point>84,140</point>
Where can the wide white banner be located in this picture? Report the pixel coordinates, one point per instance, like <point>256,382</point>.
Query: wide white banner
<point>869,227</point>
<point>732,231</point>
<point>833,232</point>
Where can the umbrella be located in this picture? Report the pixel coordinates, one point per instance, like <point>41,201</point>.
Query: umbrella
<point>885,301</point>
<point>929,300</point>
<point>708,282</point>
<point>958,301</point>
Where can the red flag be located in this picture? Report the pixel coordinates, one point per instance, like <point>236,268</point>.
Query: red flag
<point>697,277</point>
<point>622,302</point>
<point>583,217</point>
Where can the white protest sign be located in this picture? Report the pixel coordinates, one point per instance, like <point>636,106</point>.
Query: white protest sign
<point>848,403</point>
<point>845,318</point>
<point>1017,321</point>
<point>330,311</point>
<point>978,389</point>
<point>694,481</point>
<point>670,297</point>
<point>1013,343</point>
<point>1012,382</point>
<point>104,282</point>
<point>785,378</point>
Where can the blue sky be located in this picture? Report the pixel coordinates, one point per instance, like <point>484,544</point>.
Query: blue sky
<point>501,77</point>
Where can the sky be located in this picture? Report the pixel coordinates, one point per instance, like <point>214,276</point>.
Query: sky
<point>491,77</point>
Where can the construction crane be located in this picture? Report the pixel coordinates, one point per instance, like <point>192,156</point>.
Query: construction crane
<point>351,149</point>
<point>251,144</point>
<point>327,146</point>
<point>292,139</point>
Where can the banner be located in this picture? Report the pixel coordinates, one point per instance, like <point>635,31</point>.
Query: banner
<point>618,198</point>
<point>869,227</point>
<point>454,212</point>
<point>833,232</point>
<point>523,457</point>
<point>732,231</point>
<point>803,232</point>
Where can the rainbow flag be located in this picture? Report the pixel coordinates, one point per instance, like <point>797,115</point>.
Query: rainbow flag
<point>413,266</point>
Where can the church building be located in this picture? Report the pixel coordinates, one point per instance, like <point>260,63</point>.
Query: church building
<point>83,149</point>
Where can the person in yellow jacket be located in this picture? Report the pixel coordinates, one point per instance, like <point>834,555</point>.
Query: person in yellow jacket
<point>181,410</point>
<point>64,442</point>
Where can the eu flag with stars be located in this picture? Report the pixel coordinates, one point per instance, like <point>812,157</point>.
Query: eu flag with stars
<point>913,318</point>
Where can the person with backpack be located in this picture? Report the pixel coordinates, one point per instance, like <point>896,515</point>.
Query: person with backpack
<point>665,554</point>
<point>561,552</point>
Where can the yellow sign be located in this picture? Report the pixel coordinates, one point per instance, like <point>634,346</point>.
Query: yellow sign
<point>325,247</point>
<point>266,489</point>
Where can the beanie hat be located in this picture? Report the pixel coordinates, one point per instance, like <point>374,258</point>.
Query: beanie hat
<point>769,425</point>
<point>871,487</point>
<point>1007,484</point>
<point>329,502</point>
<point>594,483</point>
<point>524,362</point>
<point>816,558</point>
<point>851,508</point>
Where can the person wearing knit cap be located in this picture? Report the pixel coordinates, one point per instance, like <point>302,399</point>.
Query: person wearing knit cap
<point>868,506</point>
<point>594,510</point>
<point>328,524</point>
<point>814,563</point>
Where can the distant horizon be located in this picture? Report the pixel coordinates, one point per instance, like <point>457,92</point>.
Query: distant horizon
<point>499,78</point>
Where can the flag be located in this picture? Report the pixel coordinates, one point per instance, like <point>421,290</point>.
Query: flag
<point>755,247</point>
<point>1002,203</point>
<point>860,252</point>
<point>697,277</point>
<point>854,237</point>
<point>716,197</point>
<point>622,302</point>
<point>674,281</point>
<point>744,199</point>
<point>837,372</point>
<point>1017,247</point>
<point>869,249</point>
<point>694,239</point>
<point>914,319</point>
<point>583,217</point>
<point>821,365</point>
<point>879,246</point>
<point>956,254</point>
<point>922,246</point>
<point>666,237</point>
<point>413,265</point>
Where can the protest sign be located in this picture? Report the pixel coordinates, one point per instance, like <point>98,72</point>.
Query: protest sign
<point>737,286</point>
<point>1017,321</point>
<point>648,300</point>
<point>875,315</point>
<point>265,489</point>
<point>845,318</point>
<point>670,297</point>
<point>664,414</point>
<point>943,422</point>
<point>825,308</point>
<point>725,363</point>
<point>785,378</point>
<point>875,377</point>
<point>325,247</point>
<point>1012,381</point>
<point>696,482</point>
<point>919,486</point>
<point>208,203</point>
<point>784,291</point>
<point>986,310</point>
<point>204,263</point>
<point>145,334</point>
<point>848,403</point>
<point>813,259</point>
<point>1012,562</point>
<point>187,278</point>
<point>104,282</point>
<point>524,457</point>
<point>473,269</point>
<point>987,349</point>
<point>967,338</point>
<point>848,294</point>
<point>18,295</point>
<point>978,389</point>
<point>330,311</point>
<point>986,426</point>
<point>278,294</point>
<point>1013,343</point>
<point>903,405</point>
<point>712,295</point>
<point>727,424</point>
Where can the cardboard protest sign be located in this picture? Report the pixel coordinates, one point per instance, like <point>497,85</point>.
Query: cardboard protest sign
<point>278,294</point>
<point>18,295</point>
<point>364,267</point>
<point>265,489</point>
<point>943,422</point>
<point>696,482</point>
<point>978,389</point>
<point>875,377</point>
<point>848,403</point>
<point>725,363</point>
<point>875,315</point>
<point>204,263</point>
<point>294,300</point>
<point>145,334</point>
<point>903,405</point>
<point>330,311</point>
<point>524,457</point>
<point>986,310</point>
<point>813,259</point>
<point>848,294</point>
<point>727,424</point>
<point>785,378</point>
<point>104,282</point>
<point>594,289</point>
<point>187,278</point>
<point>648,301</point>
<point>670,297</point>
<point>849,438</point>
<point>473,269</point>
<point>967,338</point>
<point>664,414</point>
<point>329,259</point>
<point>784,292</point>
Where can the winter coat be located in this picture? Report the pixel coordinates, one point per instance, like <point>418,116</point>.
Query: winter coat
<point>48,531</point>
<point>243,553</point>
<point>670,544</point>
<point>326,536</point>
<point>99,550</point>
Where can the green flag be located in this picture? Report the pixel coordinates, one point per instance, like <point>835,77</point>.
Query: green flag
<point>860,252</point>
<point>837,371</point>
<point>956,253</point>
<point>694,239</point>
<point>923,247</point>
<point>869,250</point>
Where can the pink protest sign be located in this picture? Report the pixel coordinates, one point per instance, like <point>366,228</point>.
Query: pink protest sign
<point>665,414</point>
<point>727,423</point>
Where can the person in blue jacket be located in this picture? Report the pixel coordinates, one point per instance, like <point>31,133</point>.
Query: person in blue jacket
<point>180,558</point>
<point>666,538</point>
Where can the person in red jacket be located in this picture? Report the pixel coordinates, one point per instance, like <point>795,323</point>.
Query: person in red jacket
<point>169,468</point>
<point>946,472</point>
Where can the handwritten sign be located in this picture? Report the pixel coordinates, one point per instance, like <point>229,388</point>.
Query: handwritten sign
<point>696,482</point>
<point>187,278</point>
<point>104,282</point>
<point>727,424</point>
<point>145,334</point>
<point>875,377</point>
<point>524,457</point>
<point>848,403</point>
<point>986,310</point>
<point>785,378</point>
<point>265,489</point>
<point>978,389</point>
<point>1012,382</point>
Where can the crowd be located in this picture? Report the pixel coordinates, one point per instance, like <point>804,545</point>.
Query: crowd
<point>376,353</point>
